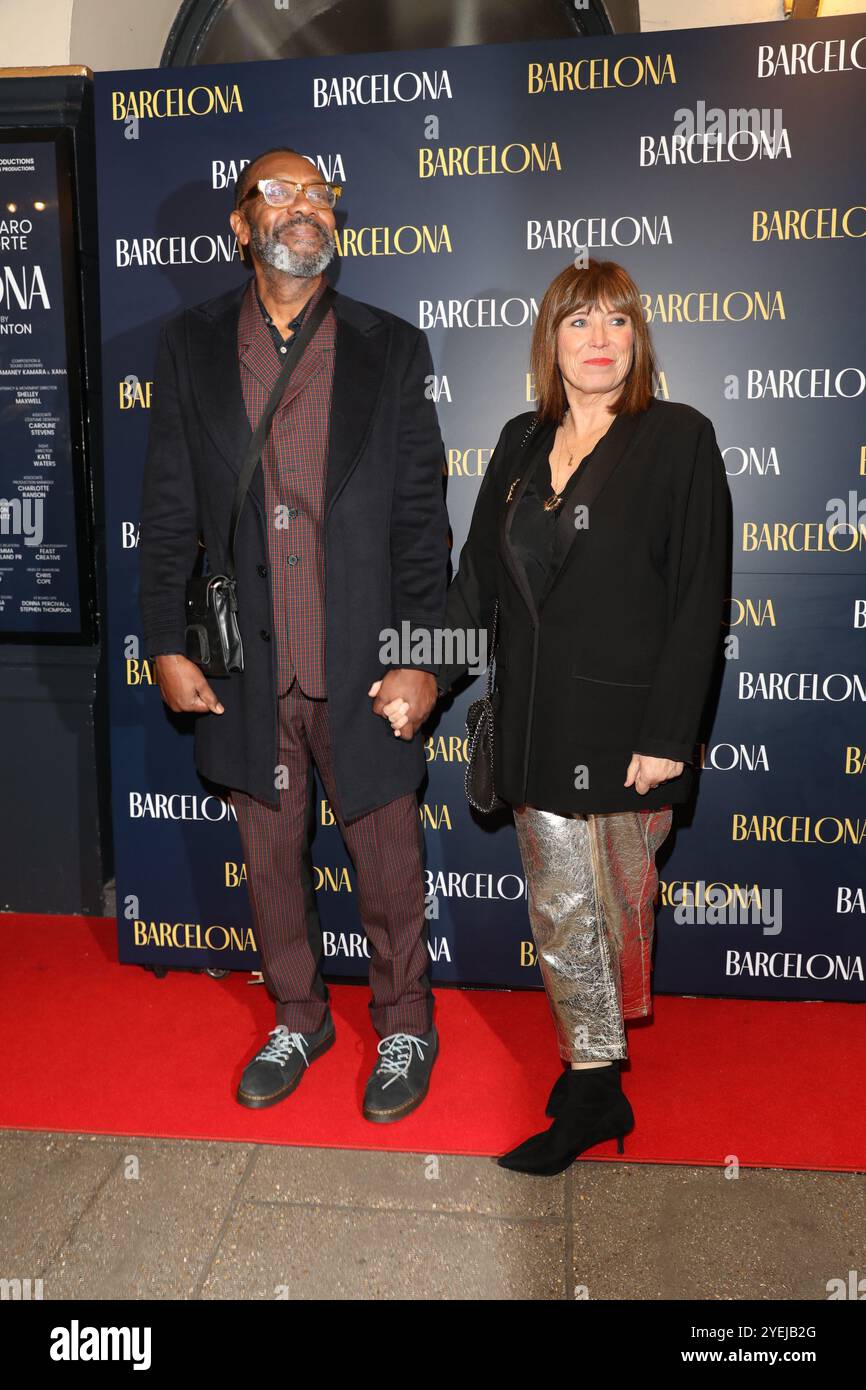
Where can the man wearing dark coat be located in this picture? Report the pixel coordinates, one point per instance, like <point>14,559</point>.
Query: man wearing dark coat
<point>342,542</point>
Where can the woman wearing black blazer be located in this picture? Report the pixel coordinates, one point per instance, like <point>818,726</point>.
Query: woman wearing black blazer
<point>602,529</point>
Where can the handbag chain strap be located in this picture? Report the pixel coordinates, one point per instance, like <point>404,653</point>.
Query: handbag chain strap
<point>257,442</point>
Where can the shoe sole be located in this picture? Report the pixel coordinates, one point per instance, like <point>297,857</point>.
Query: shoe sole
<point>384,1117</point>
<point>600,1136</point>
<point>262,1102</point>
<point>556,1172</point>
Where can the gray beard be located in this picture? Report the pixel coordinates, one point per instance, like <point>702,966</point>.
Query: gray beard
<point>304,265</point>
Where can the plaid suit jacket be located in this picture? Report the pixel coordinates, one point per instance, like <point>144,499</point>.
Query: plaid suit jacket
<point>294,461</point>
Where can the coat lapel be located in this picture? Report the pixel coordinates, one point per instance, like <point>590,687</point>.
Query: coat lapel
<point>359,379</point>
<point>216,380</point>
<point>359,372</point>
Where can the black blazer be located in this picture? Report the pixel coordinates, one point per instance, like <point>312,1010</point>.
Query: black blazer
<point>619,654</point>
<point>386,537</point>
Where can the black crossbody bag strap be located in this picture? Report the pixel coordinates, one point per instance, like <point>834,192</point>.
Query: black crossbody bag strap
<point>257,442</point>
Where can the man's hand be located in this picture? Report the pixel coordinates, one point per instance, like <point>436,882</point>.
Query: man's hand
<point>647,772</point>
<point>183,687</point>
<point>407,694</point>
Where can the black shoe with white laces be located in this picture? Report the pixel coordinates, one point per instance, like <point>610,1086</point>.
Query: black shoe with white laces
<point>400,1079</point>
<point>277,1069</point>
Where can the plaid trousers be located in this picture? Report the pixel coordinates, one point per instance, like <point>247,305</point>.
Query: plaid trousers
<point>387,851</point>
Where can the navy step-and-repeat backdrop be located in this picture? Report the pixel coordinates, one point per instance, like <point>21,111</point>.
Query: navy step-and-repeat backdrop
<point>472,176</point>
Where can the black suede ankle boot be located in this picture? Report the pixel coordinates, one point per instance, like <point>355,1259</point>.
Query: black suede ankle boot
<point>560,1088</point>
<point>592,1108</point>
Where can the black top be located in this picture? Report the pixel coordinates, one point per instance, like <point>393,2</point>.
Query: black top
<point>533,529</point>
<point>280,343</point>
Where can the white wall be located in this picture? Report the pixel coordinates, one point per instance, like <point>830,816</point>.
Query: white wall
<point>103,34</point>
<point>26,43</point>
<point>698,14</point>
<point>120,33</point>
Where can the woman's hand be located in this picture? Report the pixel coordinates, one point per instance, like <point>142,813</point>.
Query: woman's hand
<point>646,772</point>
<point>397,712</point>
<point>413,704</point>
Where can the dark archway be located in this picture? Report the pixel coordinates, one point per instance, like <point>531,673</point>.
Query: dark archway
<point>221,31</point>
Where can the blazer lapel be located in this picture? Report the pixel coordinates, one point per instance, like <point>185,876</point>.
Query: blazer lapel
<point>587,488</point>
<point>359,373</point>
<point>261,360</point>
<point>532,455</point>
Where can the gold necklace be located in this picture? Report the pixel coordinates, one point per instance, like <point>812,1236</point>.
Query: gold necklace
<point>555,498</point>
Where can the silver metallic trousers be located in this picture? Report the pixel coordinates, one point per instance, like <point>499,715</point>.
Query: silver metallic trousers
<point>591,883</point>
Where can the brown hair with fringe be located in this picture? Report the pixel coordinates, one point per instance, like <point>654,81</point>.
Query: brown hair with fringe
<point>600,284</point>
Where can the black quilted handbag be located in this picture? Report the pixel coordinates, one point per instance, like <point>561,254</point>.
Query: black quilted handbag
<point>480,725</point>
<point>478,779</point>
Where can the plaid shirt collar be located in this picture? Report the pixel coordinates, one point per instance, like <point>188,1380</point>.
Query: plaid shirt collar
<point>248,318</point>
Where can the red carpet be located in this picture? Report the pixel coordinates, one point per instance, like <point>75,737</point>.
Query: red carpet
<point>95,1047</point>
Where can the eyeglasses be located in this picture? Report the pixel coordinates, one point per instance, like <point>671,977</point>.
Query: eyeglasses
<point>279,193</point>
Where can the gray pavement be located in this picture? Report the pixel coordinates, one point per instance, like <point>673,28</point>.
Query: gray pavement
<point>97,1217</point>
